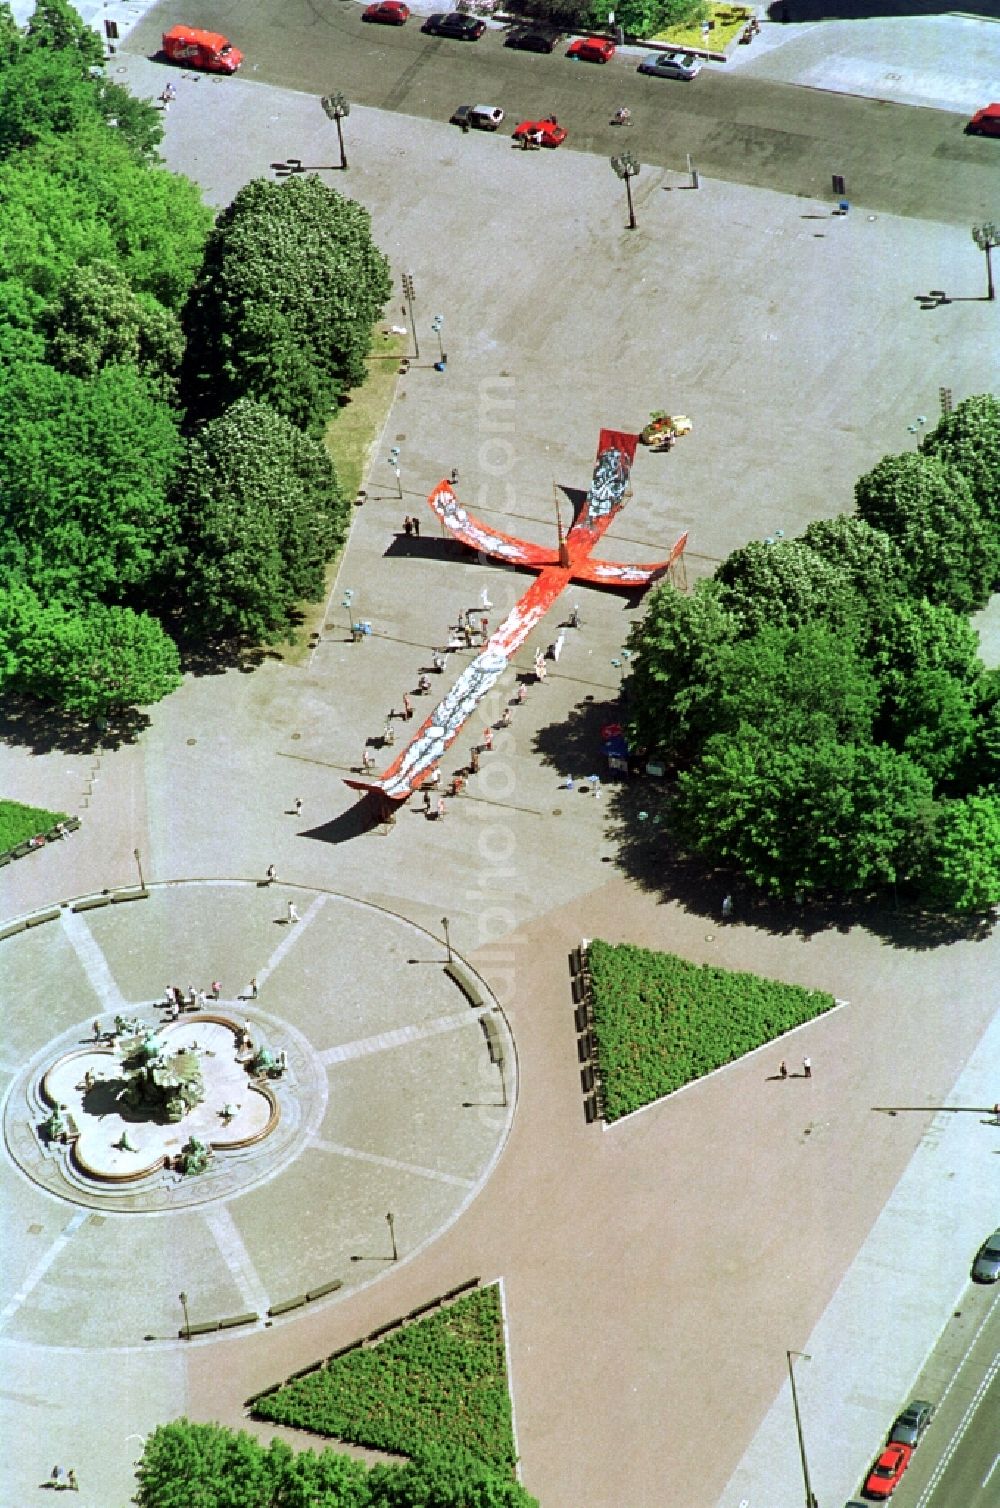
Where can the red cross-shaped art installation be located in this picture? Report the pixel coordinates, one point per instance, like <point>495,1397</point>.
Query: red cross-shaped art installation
<point>571,561</point>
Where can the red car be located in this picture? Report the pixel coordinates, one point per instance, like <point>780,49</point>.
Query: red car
<point>389,12</point>
<point>885,1474</point>
<point>591,49</point>
<point>547,133</point>
<point>985,122</point>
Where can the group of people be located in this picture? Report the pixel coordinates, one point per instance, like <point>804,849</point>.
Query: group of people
<point>411,527</point>
<point>194,1000</point>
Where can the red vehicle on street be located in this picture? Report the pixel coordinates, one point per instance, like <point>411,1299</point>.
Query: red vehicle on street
<point>543,133</point>
<point>388,12</point>
<point>591,49</point>
<point>985,122</point>
<point>195,48</point>
<point>884,1477</point>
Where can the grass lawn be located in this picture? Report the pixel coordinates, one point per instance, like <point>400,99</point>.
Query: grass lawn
<point>18,823</point>
<point>439,1381</point>
<point>720,36</point>
<point>350,438</point>
<point>661,1022</point>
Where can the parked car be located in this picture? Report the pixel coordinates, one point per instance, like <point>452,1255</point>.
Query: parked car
<point>455,24</point>
<point>909,1427</point>
<point>985,122</point>
<point>591,49</point>
<point>195,48</point>
<point>986,1267</point>
<point>483,117</point>
<point>387,12</point>
<point>671,65</point>
<point>548,132</point>
<point>530,40</point>
<point>884,1477</point>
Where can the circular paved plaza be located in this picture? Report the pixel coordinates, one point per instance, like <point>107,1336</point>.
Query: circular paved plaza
<point>391,1102</point>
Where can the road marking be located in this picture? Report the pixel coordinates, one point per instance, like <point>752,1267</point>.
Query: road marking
<point>992,1469</point>
<point>90,953</point>
<point>42,1266</point>
<point>391,1162</point>
<point>364,1046</point>
<point>287,943</point>
<point>959,1433</point>
<point>230,1243</point>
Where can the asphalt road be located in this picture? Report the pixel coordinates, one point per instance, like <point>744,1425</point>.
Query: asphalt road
<point>895,158</point>
<point>958,1461</point>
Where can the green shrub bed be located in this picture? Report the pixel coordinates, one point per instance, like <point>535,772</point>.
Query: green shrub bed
<point>439,1381</point>
<point>18,823</point>
<point>661,1022</point>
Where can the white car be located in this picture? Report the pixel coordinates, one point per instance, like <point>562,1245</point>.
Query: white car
<point>671,65</point>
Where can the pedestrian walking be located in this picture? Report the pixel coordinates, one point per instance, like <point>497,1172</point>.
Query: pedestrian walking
<point>297,807</point>
<point>521,694</point>
<point>807,1068</point>
<point>272,874</point>
<point>71,1481</point>
<point>388,734</point>
<point>506,718</point>
<point>454,476</point>
<point>407,706</point>
<point>367,760</point>
<point>574,616</point>
<point>97,1031</point>
<point>488,739</point>
<point>484,597</point>
<point>253,988</point>
<point>440,806</point>
<point>408,526</point>
<point>416,526</point>
<point>727,907</point>
<point>457,784</point>
<point>427,803</point>
<point>474,762</point>
<point>782,1069</point>
<point>293,915</point>
<point>216,989</point>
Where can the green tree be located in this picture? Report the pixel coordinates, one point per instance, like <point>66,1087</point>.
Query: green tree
<point>934,722</point>
<point>644,18</point>
<point>915,635</point>
<point>83,198</point>
<point>969,438</point>
<point>93,661</point>
<point>801,684</point>
<point>98,320</point>
<point>55,25</point>
<point>283,311</point>
<point>810,818</point>
<point>187,1465</point>
<point>872,560</point>
<point>783,583</point>
<point>926,506</point>
<point>11,36</point>
<point>43,94</point>
<point>675,673</point>
<point>446,1479</point>
<point>263,514</point>
<point>135,121</point>
<point>85,470</point>
<point>961,872</point>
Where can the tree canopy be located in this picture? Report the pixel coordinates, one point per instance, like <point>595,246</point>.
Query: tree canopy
<point>283,310</point>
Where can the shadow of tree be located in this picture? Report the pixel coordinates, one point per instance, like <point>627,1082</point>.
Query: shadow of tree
<point>855,10</point>
<point>44,729</point>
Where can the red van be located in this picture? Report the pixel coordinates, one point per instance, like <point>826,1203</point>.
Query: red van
<point>195,48</point>
<point>985,122</point>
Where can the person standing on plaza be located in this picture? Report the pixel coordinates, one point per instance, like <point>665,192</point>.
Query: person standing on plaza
<point>416,526</point>
<point>807,1068</point>
<point>521,695</point>
<point>272,874</point>
<point>407,706</point>
<point>488,739</point>
<point>408,526</point>
<point>216,989</point>
<point>253,988</point>
<point>367,760</point>
<point>441,806</point>
<point>427,803</point>
<point>297,807</point>
<point>293,915</point>
<point>727,907</point>
<point>782,1069</point>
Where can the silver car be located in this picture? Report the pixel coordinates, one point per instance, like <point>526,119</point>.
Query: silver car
<point>986,1267</point>
<point>671,65</point>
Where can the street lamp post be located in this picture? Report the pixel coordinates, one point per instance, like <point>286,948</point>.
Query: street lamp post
<point>626,165</point>
<point>390,1220</point>
<point>986,238</point>
<point>447,936</point>
<point>345,603</point>
<point>810,1495</point>
<point>337,107</point>
<point>397,468</point>
<point>503,1081</point>
<point>138,864</point>
<point>187,1323</point>
<point>409,295</point>
<point>437,325</point>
